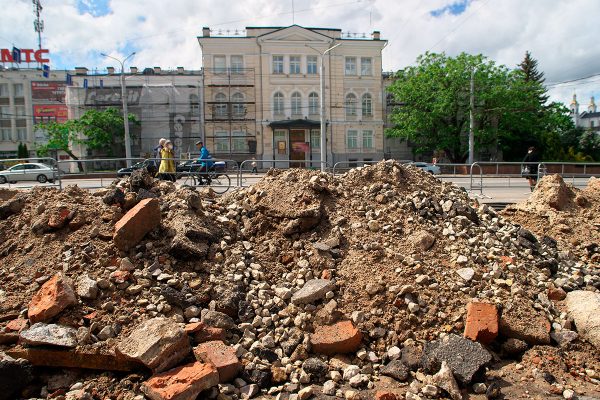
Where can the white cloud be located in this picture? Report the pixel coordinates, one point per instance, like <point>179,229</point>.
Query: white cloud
<point>562,36</point>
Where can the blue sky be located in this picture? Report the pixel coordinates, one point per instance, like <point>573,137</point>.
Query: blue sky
<point>163,33</point>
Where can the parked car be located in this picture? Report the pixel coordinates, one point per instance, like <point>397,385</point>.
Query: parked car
<point>431,168</point>
<point>123,172</point>
<point>29,172</point>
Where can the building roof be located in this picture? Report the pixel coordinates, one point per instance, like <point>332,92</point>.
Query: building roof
<point>587,114</point>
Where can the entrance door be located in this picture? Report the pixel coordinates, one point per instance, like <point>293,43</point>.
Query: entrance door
<point>298,147</point>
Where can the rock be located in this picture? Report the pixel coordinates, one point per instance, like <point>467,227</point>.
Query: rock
<point>384,395</point>
<point>514,346</point>
<point>58,218</point>
<point>86,358</point>
<point>41,334</point>
<point>482,322</point>
<point>466,273</point>
<point>556,294</point>
<point>218,320</point>
<point>114,196</point>
<point>461,260</point>
<point>422,240</point>
<point>329,388</point>
<point>87,288</point>
<point>564,336</point>
<point>313,290</point>
<point>221,356</point>
<point>158,343</point>
<point>106,333</point>
<point>464,357</point>
<point>260,377</point>
<point>15,375</point>
<point>339,338</point>
<point>54,296</point>
<point>430,390</point>
<point>521,321</point>
<point>249,391</point>
<point>397,370</point>
<point>181,383</point>
<point>444,379</point>
<point>315,367</point>
<point>584,307</point>
<point>12,206</point>
<point>134,225</point>
<point>373,225</point>
<point>306,393</point>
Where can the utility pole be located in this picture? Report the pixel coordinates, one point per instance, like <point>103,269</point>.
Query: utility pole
<point>38,23</point>
<point>125,113</point>
<point>322,100</point>
<point>472,118</point>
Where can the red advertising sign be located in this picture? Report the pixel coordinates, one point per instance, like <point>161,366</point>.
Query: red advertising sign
<point>52,91</point>
<point>27,55</point>
<point>301,147</point>
<point>49,113</point>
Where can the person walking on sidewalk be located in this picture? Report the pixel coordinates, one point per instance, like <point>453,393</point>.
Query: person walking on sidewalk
<point>529,170</point>
<point>167,162</point>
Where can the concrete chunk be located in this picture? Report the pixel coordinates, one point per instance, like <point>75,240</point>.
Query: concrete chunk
<point>42,334</point>
<point>313,290</point>
<point>584,307</point>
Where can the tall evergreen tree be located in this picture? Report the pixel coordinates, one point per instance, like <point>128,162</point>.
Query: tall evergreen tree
<point>533,77</point>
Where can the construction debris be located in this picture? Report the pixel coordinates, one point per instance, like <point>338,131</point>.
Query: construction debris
<point>383,282</point>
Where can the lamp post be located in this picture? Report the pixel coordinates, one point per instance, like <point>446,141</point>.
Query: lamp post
<point>125,113</point>
<point>322,95</point>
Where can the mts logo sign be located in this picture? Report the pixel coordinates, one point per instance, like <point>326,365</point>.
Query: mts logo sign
<point>27,55</point>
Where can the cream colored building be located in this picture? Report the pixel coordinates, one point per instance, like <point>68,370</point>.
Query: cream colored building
<point>262,94</point>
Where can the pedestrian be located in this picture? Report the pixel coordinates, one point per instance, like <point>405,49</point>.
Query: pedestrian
<point>153,165</point>
<point>253,164</point>
<point>166,171</point>
<point>529,169</point>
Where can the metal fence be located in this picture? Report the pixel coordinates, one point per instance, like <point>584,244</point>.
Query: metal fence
<point>259,165</point>
<point>13,170</point>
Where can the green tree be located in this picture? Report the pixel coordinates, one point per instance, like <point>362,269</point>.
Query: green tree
<point>434,98</point>
<point>96,129</point>
<point>22,151</point>
<point>529,70</point>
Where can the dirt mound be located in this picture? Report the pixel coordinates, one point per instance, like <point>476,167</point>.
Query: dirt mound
<point>386,256</point>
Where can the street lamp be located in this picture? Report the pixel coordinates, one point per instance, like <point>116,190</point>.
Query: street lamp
<point>322,90</point>
<point>125,113</point>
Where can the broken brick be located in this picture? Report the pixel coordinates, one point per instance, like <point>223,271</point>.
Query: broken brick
<point>134,225</point>
<point>60,217</point>
<point>181,383</point>
<point>339,338</point>
<point>16,325</point>
<point>383,395</point>
<point>54,296</point>
<point>482,322</point>
<point>221,356</point>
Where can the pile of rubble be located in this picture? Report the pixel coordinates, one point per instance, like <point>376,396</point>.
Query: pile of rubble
<point>382,283</point>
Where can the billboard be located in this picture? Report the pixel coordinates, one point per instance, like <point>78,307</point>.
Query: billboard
<point>111,96</point>
<point>49,91</point>
<point>49,113</point>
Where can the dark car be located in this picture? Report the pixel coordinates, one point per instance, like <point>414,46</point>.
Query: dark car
<point>139,165</point>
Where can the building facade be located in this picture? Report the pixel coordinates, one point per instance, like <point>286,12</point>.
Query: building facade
<point>589,119</point>
<point>263,98</point>
<point>27,98</point>
<point>166,103</point>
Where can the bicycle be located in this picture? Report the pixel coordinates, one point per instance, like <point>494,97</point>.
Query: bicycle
<point>216,178</point>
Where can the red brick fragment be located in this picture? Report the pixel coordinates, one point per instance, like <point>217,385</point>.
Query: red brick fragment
<point>221,356</point>
<point>556,294</point>
<point>59,218</point>
<point>339,338</point>
<point>482,322</point>
<point>383,395</point>
<point>134,225</point>
<point>181,383</point>
<point>54,296</point>
<point>209,333</point>
<point>16,325</point>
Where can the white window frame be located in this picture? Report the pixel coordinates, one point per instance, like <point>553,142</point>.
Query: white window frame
<point>5,133</point>
<point>296,103</point>
<point>220,64</point>
<point>277,64</point>
<point>239,144</point>
<point>5,112</point>
<point>22,134</point>
<point>366,102</point>
<point>350,104</point>
<point>295,65</point>
<point>237,63</point>
<point>315,139</point>
<point>19,89</point>
<point>278,103</point>
<point>350,66</point>
<point>20,111</point>
<point>313,103</point>
<point>367,139</point>
<point>312,65</point>
<point>221,105</point>
<point>237,105</point>
<point>221,140</point>
<point>352,139</point>
<point>366,66</point>
<point>4,90</point>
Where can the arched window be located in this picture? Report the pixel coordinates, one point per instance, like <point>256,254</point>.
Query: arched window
<point>313,103</point>
<point>350,105</point>
<point>367,105</point>
<point>278,103</point>
<point>221,106</point>
<point>296,103</point>
<point>237,101</point>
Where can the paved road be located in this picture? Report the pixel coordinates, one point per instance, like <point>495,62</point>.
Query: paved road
<point>495,190</point>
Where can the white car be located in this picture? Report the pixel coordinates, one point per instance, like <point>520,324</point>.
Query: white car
<point>28,172</point>
<point>431,168</point>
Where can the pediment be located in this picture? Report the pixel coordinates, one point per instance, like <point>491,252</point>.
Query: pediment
<point>294,33</point>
